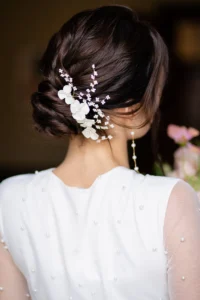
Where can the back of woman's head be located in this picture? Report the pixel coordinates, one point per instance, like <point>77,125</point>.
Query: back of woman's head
<point>129,56</point>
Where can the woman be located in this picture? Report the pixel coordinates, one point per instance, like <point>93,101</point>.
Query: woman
<point>92,228</point>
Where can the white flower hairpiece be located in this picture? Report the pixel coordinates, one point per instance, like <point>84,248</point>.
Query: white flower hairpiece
<point>80,108</point>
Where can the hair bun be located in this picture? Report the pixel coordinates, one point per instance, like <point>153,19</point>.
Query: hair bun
<point>51,115</point>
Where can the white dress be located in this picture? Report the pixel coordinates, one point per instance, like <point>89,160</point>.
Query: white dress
<point>127,237</point>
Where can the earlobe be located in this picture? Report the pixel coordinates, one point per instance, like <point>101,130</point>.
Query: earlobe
<point>126,109</point>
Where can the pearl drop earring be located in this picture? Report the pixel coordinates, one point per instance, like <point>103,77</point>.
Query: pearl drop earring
<point>134,157</point>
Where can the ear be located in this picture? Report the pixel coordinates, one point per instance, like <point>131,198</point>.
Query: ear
<point>124,109</point>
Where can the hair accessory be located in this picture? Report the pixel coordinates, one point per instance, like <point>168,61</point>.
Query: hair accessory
<point>134,157</point>
<point>82,104</point>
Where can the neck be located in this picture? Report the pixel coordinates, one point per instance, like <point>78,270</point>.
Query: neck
<point>87,159</point>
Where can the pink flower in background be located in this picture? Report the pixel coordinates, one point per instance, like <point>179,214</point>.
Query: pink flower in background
<point>193,148</point>
<point>187,161</point>
<point>186,157</point>
<point>181,134</point>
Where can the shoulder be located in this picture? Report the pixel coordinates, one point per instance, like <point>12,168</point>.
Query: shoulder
<point>14,186</point>
<point>147,184</point>
<point>10,185</point>
<point>153,195</point>
<point>157,191</point>
<point>183,197</point>
<point>173,188</point>
<point>160,181</point>
<point>160,185</point>
<point>182,215</point>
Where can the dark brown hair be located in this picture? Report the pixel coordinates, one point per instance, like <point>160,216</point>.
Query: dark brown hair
<point>128,54</point>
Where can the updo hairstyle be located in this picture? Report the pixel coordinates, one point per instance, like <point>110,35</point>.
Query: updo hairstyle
<point>128,54</point>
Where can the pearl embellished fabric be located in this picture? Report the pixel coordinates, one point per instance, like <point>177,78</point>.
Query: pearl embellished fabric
<point>128,236</point>
<point>182,239</point>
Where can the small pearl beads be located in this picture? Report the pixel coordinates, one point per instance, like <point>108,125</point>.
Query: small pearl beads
<point>133,145</point>
<point>118,251</point>
<point>183,278</point>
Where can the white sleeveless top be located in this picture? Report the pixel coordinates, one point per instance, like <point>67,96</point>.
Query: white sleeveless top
<point>104,242</point>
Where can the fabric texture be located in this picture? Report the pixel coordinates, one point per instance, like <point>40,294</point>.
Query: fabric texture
<point>128,236</point>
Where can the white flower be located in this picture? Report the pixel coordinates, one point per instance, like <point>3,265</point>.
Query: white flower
<point>66,94</point>
<point>87,123</point>
<point>90,132</point>
<point>79,110</point>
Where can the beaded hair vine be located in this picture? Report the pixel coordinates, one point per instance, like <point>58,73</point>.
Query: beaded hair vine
<point>81,104</point>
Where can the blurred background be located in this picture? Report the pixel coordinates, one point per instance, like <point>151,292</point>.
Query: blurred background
<point>26,27</point>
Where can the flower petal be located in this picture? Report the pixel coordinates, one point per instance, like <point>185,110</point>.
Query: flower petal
<point>86,132</point>
<point>85,108</point>
<point>75,106</point>
<point>67,89</point>
<point>179,134</point>
<point>88,123</point>
<point>69,99</point>
<point>81,122</point>
<point>94,136</point>
<point>193,132</point>
<point>79,116</point>
<point>61,94</point>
